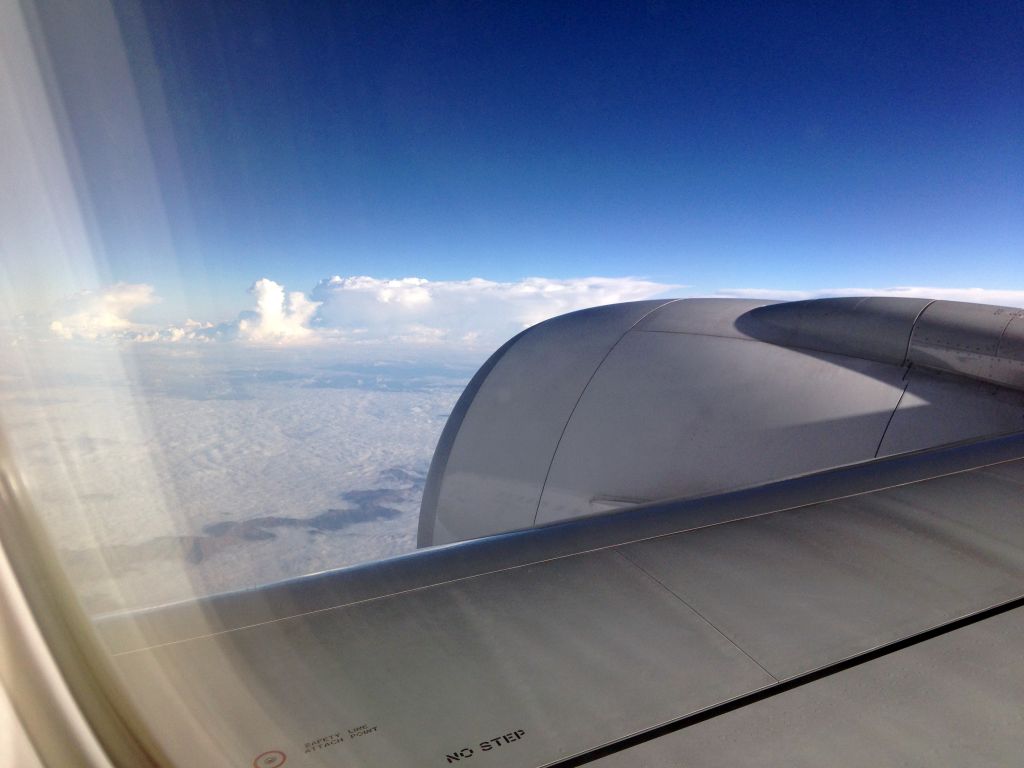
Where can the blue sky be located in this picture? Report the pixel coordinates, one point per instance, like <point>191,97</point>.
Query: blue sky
<point>715,146</point>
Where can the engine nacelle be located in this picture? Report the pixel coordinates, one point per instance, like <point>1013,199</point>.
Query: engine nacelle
<point>646,401</point>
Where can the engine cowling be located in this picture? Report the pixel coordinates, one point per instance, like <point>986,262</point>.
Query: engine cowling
<point>646,401</point>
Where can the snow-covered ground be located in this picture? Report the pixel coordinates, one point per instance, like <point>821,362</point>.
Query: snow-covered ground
<point>163,474</point>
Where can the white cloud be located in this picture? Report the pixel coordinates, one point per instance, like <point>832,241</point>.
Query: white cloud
<point>1009,298</point>
<point>190,330</point>
<point>468,312</point>
<point>94,315</point>
<point>361,310</point>
<point>279,317</point>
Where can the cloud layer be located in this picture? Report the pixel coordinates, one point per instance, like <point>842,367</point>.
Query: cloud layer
<point>412,311</point>
<point>358,310</point>
<point>415,310</point>
<point>94,315</point>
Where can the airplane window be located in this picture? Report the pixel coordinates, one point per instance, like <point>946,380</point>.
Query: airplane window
<point>361,362</point>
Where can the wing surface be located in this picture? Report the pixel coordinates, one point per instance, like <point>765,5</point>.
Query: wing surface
<point>825,606</point>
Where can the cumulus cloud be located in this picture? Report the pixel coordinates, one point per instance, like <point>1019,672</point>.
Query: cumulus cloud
<point>1008,298</point>
<point>191,330</point>
<point>103,314</point>
<point>279,316</point>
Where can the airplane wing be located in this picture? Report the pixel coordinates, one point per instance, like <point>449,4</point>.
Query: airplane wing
<point>861,616</point>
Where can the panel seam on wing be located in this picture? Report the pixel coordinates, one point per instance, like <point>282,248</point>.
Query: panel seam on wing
<point>703,618</point>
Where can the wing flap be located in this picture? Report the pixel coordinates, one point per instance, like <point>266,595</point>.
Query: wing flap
<point>951,701</point>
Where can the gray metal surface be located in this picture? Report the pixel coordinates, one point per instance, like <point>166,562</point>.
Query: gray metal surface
<point>804,588</point>
<point>1011,346</point>
<point>1012,471</point>
<point>490,477</point>
<point>580,650</point>
<point>970,340</point>
<point>566,652</point>
<point>952,701</point>
<point>671,415</point>
<point>625,405</point>
<point>871,328</point>
<point>706,317</point>
<point>940,408</point>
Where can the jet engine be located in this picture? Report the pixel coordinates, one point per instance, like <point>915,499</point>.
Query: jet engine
<point>646,401</point>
